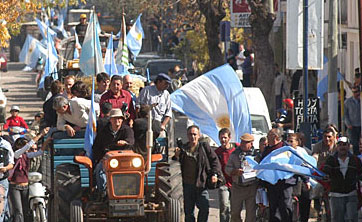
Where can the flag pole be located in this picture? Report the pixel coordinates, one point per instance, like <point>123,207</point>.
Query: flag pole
<point>94,40</point>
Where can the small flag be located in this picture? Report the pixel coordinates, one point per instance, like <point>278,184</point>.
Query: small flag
<point>91,61</point>
<point>50,68</point>
<point>61,19</point>
<point>135,36</point>
<point>109,61</point>
<point>90,132</point>
<point>77,46</point>
<point>44,29</point>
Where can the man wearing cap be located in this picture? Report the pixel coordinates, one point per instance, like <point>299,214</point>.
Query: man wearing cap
<point>343,169</point>
<point>279,194</point>
<point>114,136</point>
<point>81,28</point>
<point>243,189</point>
<point>117,97</point>
<point>14,120</point>
<point>158,94</point>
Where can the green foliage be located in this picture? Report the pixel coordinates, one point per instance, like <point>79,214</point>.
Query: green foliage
<point>194,46</point>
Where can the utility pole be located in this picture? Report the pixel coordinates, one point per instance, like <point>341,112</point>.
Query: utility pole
<point>332,62</point>
<point>360,48</point>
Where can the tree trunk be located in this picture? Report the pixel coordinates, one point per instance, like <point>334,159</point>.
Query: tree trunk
<point>214,13</point>
<point>261,22</point>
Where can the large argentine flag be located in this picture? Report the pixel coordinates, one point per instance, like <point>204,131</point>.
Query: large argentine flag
<point>135,36</point>
<point>91,61</point>
<point>31,51</point>
<point>283,163</point>
<point>213,101</point>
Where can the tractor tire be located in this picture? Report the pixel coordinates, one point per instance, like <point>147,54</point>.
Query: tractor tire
<point>169,188</point>
<point>76,211</point>
<point>66,189</point>
<point>174,210</point>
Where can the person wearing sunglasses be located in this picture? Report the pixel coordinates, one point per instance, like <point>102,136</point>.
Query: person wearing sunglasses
<point>343,169</point>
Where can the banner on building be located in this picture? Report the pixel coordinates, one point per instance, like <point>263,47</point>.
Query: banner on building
<point>295,34</point>
<point>313,114</point>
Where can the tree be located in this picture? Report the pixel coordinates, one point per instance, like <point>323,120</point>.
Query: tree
<point>14,12</point>
<point>261,21</point>
<point>214,12</point>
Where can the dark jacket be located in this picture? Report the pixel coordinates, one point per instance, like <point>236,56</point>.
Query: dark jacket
<point>201,163</point>
<point>340,184</point>
<point>106,141</point>
<point>140,132</point>
<point>50,115</point>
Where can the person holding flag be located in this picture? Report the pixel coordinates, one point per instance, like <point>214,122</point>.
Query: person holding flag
<point>279,194</point>
<point>135,36</point>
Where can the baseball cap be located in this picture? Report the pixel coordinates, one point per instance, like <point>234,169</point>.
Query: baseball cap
<point>14,108</point>
<point>83,16</point>
<point>163,76</point>
<point>343,139</point>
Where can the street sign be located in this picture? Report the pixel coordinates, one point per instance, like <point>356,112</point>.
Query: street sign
<point>225,31</point>
<point>240,12</point>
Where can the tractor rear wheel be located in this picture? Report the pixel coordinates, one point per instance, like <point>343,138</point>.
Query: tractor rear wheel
<point>169,189</point>
<point>76,211</point>
<point>66,189</point>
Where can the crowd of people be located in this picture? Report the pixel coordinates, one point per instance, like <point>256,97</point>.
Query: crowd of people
<point>121,117</point>
<point>338,190</point>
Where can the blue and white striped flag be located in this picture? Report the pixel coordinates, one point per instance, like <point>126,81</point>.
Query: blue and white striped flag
<point>91,61</point>
<point>135,36</point>
<point>44,29</point>
<point>61,18</point>
<point>109,61</point>
<point>283,163</point>
<point>50,68</point>
<point>91,130</point>
<point>77,46</point>
<point>213,101</point>
<point>31,51</point>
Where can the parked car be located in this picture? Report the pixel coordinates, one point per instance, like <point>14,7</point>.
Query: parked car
<point>156,66</point>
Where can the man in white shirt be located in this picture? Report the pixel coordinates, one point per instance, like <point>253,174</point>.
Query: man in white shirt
<point>73,114</point>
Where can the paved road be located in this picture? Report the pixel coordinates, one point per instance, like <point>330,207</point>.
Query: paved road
<point>22,90</point>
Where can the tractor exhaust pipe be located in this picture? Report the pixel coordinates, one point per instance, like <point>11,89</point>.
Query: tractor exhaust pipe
<point>149,140</point>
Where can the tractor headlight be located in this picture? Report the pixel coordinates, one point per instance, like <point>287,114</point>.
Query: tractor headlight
<point>113,163</point>
<point>136,162</point>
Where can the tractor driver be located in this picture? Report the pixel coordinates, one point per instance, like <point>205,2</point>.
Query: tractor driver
<point>114,136</point>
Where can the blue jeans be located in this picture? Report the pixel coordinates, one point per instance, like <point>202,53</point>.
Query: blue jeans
<point>101,178</point>
<point>19,202</point>
<point>199,197</point>
<point>224,203</point>
<point>5,184</point>
<point>344,209</point>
